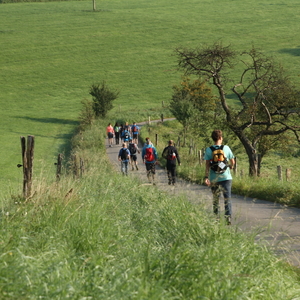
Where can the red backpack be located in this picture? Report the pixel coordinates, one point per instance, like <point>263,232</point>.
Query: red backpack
<point>149,156</point>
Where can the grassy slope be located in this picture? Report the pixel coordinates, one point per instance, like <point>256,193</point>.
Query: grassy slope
<point>98,242</point>
<point>52,52</point>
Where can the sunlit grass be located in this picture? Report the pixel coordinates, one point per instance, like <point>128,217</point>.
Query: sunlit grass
<point>86,238</point>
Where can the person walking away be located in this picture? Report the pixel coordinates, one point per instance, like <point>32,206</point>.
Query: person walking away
<point>127,127</point>
<point>110,134</point>
<point>219,160</point>
<point>135,130</point>
<point>117,133</point>
<point>133,149</point>
<point>149,156</point>
<point>124,158</point>
<point>126,135</point>
<point>170,153</point>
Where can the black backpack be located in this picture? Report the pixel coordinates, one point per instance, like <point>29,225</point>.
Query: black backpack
<point>124,154</point>
<point>219,162</point>
<point>169,154</point>
<point>132,148</point>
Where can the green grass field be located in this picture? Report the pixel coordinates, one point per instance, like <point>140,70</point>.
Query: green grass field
<point>52,52</point>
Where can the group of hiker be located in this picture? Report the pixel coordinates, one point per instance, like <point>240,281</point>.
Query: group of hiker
<point>128,155</point>
<point>125,133</point>
<point>219,160</point>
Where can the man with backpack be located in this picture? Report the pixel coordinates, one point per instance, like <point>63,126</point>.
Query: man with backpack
<point>135,132</point>
<point>124,158</point>
<point>219,160</point>
<point>149,156</point>
<point>170,153</point>
<point>126,135</point>
<point>133,149</point>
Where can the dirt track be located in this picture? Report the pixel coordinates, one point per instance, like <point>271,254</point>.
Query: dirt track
<point>278,226</point>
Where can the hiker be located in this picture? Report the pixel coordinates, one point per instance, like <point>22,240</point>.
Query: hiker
<point>146,141</point>
<point>133,149</point>
<point>135,130</point>
<point>170,153</point>
<point>127,127</point>
<point>219,160</point>
<point>126,135</point>
<point>117,133</point>
<point>149,156</point>
<point>124,158</point>
<point>110,134</point>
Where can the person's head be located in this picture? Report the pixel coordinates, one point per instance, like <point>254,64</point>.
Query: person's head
<point>109,124</point>
<point>134,123</point>
<point>148,142</point>
<point>171,143</point>
<point>124,145</point>
<point>216,135</point>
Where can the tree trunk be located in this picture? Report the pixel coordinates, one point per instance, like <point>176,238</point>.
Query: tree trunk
<point>253,157</point>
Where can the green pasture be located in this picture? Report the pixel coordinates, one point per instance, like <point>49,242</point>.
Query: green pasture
<point>52,52</point>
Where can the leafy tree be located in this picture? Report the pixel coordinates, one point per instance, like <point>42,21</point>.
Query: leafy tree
<point>102,98</point>
<point>193,104</point>
<point>266,103</point>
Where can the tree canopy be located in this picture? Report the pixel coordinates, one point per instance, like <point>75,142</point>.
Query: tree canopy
<point>267,102</point>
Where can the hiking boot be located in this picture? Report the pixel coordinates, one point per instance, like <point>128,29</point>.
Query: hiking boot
<point>137,167</point>
<point>132,168</point>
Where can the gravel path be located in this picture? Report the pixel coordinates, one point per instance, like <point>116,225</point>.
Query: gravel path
<point>276,225</point>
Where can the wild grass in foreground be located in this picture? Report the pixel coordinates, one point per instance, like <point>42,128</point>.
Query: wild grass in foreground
<point>105,236</point>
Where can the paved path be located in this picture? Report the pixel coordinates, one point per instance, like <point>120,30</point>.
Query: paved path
<point>276,225</point>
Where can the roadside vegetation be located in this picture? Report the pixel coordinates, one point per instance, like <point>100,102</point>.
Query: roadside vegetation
<point>92,237</point>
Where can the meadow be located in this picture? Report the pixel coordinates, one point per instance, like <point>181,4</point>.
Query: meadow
<point>52,52</point>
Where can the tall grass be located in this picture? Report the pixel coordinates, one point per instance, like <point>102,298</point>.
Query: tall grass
<point>95,238</point>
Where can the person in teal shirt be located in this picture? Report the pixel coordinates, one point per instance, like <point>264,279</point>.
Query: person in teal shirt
<point>220,182</point>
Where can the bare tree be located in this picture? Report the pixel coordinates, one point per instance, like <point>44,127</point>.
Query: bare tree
<point>267,104</point>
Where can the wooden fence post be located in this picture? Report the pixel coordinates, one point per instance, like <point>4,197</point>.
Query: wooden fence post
<point>200,157</point>
<point>235,169</point>
<point>162,117</point>
<point>156,139</point>
<point>74,165</point>
<point>279,172</point>
<point>178,142</point>
<point>27,160</point>
<point>288,174</point>
<point>58,166</point>
<point>81,166</point>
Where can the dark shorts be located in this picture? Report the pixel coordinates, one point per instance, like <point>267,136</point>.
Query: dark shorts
<point>134,135</point>
<point>150,167</point>
<point>133,157</point>
<point>110,135</point>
